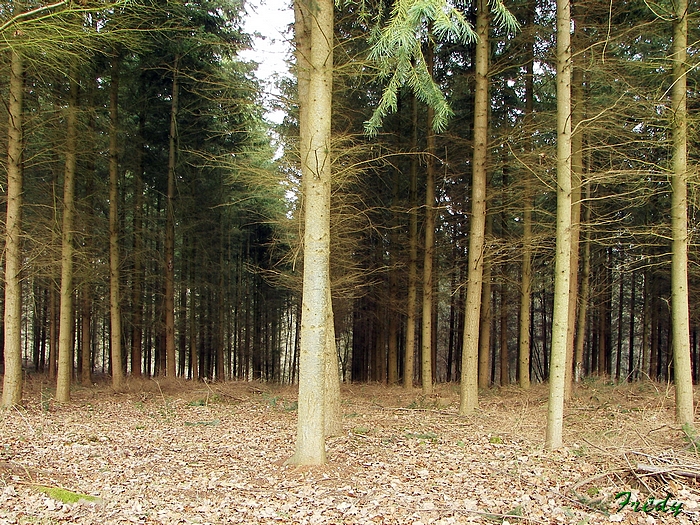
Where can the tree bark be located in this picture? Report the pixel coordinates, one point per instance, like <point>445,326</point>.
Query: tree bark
<point>429,251</point>
<point>679,221</point>
<point>557,369</point>
<point>469,391</point>
<point>137,287</point>
<point>524,335</point>
<point>631,368</point>
<point>585,293</point>
<point>485,317</point>
<point>503,332</point>
<point>314,39</point>
<point>393,324</point>
<point>576,194</point>
<point>169,299</point>
<point>12,380</point>
<point>410,351</point>
<point>114,274</point>
<point>65,329</point>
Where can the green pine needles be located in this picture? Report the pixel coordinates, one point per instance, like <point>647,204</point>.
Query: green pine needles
<point>398,52</point>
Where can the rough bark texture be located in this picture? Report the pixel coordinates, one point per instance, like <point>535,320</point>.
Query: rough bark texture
<point>469,391</point>
<point>12,380</point>
<point>562,271</point>
<point>65,329</point>
<point>314,35</point>
<point>679,221</point>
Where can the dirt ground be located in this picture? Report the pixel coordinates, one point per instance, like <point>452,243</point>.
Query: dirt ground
<point>176,452</point>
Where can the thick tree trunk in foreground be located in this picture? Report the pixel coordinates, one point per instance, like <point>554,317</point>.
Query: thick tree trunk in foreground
<point>114,295</point>
<point>65,329</point>
<point>679,221</point>
<point>12,380</point>
<point>469,391</point>
<point>562,271</point>
<point>314,36</point>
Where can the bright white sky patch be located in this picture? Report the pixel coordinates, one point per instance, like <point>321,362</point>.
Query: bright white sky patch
<point>270,21</point>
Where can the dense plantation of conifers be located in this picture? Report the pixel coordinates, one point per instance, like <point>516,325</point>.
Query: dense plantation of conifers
<point>160,232</point>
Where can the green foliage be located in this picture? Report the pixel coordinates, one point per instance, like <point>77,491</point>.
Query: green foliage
<point>64,495</point>
<point>398,53</point>
<point>270,400</point>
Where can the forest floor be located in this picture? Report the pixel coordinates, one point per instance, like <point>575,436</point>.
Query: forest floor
<point>175,452</point>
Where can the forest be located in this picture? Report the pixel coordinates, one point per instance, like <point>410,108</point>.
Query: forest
<point>154,219</point>
<point>476,219</point>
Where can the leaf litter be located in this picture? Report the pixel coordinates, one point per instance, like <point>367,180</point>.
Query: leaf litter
<point>174,452</point>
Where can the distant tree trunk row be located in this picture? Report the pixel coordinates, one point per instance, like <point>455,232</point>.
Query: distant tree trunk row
<point>152,230</point>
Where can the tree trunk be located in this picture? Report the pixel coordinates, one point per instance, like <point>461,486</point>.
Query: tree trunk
<point>53,330</point>
<point>114,293</point>
<point>169,299</point>
<point>503,332</point>
<point>562,275</point>
<point>429,250</point>
<point>469,391</point>
<point>314,38</point>
<point>12,380</point>
<point>137,286</point>
<point>620,313</point>
<point>646,326</point>
<point>524,334</point>
<point>393,325</point>
<point>410,350</point>
<point>65,329</point>
<point>576,185</point>
<point>87,286</point>
<point>585,294</point>
<point>679,221</point>
<point>631,368</point>
<point>333,413</point>
<point>485,317</point>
